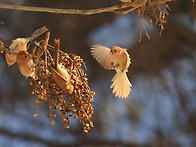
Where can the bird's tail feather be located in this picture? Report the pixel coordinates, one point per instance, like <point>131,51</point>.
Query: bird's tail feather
<point>37,33</point>
<point>121,85</point>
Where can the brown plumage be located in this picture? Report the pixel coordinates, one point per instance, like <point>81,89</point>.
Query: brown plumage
<point>25,64</point>
<point>63,79</point>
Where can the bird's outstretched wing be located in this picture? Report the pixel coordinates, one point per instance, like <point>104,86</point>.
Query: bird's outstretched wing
<point>103,55</point>
<point>128,60</point>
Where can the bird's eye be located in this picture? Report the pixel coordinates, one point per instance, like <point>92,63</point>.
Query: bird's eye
<point>113,51</point>
<point>26,56</point>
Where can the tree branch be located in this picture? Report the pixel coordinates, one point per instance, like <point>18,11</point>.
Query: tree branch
<point>80,12</point>
<point>7,50</point>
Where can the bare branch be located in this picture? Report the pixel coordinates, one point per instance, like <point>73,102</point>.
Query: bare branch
<point>125,11</point>
<point>80,12</point>
<point>46,41</point>
<point>7,50</point>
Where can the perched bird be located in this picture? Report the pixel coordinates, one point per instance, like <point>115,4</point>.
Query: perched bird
<point>63,79</point>
<point>25,64</point>
<point>20,44</point>
<point>117,59</point>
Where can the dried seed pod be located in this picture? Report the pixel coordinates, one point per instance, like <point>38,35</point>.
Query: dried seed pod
<point>36,114</point>
<point>53,115</point>
<point>66,126</point>
<point>49,115</point>
<point>51,122</point>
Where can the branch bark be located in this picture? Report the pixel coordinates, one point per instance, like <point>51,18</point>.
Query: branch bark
<point>7,50</point>
<point>80,12</point>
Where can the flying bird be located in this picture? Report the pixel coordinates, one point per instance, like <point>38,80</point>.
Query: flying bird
<point>25,64</point>
<point>20,44</point>
<point>115,58</point>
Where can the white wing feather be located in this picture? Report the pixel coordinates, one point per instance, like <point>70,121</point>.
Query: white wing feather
<point>128,61</point>
<point>103,55</point>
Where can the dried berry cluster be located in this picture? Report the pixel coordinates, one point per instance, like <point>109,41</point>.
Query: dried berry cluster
<point>78,104</point>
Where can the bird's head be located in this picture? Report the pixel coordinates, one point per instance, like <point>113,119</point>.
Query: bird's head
<point>116,50</point>
<point>21,41</point>
<point>23,56</point>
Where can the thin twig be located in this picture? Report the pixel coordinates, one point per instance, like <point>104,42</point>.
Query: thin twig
<point>76,11</point>
<point>46,41</point>
<point>56,51</point>
<point>7,50</point>
<point>50,57</point>
<point>45,44</point>
<point>3,37</point>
